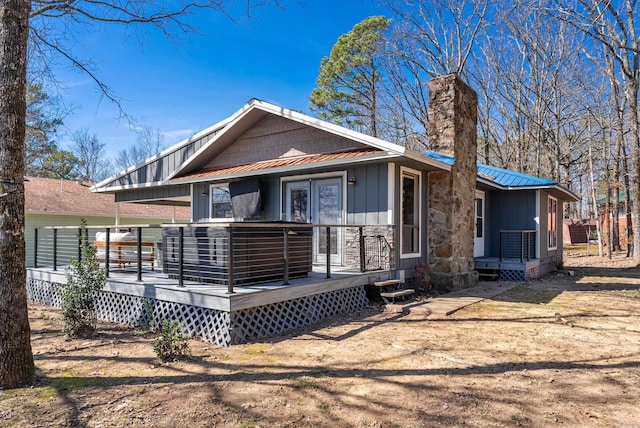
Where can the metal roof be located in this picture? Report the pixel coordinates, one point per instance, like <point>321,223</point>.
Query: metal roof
<point>510,180</point>
<point>276,163</point>
<point>500,176</point>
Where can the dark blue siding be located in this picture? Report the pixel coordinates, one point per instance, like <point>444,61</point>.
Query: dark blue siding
<point>367,199</point>
<point>508,211</point>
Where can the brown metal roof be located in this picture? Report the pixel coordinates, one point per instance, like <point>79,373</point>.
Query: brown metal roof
<point>49,195</point>
<point>277,163</point>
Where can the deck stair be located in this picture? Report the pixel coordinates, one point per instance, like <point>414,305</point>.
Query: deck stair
<point>488,273</point>
<point>390,289</point>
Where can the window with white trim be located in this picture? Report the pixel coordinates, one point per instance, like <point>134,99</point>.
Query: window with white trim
<point>220,202</point>
<point>552,223</point>
<point>410,212</point>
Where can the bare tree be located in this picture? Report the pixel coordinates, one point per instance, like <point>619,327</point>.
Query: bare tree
<point>54,26</point>
<point>534,121</point>
<point>150,142</point>
<point>431,38</point>
<point>93,165</point>
<point>612,27</point>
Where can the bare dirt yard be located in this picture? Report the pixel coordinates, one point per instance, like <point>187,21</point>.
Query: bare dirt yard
<point>562,351</point>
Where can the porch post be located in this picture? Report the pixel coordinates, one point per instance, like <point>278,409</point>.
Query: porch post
<point>107,250</point>
<point>230,261</point>
<point>35,248</point>
<point>139,249</point>
<point>362,252</point>
<point>180,256</point>
<point>79,244</point>
<point>328,250</point>
<point>286,255</point>
<point>55,248</point>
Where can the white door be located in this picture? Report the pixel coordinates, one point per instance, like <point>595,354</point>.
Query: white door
<point>297,201</point>
<point>318,201</point>
<point>478,235</point>
<point>327,209</point>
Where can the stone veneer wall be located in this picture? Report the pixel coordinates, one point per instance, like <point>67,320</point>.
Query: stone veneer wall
<point>371,232</point>
<point>451,217</point>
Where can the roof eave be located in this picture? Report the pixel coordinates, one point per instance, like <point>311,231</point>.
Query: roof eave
<point>570,196</point>
<point>130,187</point>
<point>214,128</point>
<point>268,108</point>
<point>286,169</point>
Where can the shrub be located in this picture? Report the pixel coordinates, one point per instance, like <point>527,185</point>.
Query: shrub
<point>85,280</point>
<point>172,343</point>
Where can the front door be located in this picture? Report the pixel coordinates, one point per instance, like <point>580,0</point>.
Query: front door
<point>318,201</point>
<point>478,235</point>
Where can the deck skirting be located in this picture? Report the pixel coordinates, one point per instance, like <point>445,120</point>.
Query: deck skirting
<point>212,325</point>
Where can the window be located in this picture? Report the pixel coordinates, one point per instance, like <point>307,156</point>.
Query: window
<point>479,217</point>
<point>410,238</point>
<point>552,223</point>
<point>220,202</point>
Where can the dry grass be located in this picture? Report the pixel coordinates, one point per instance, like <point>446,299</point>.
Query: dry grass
<point>565,350</point>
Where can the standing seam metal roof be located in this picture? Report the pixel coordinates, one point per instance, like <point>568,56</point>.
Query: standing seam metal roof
<point>500,176</point>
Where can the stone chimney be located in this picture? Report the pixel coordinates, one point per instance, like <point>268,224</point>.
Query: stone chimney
<point>453,111</point>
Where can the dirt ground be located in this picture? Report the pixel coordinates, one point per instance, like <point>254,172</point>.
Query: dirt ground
<point>562,351</point>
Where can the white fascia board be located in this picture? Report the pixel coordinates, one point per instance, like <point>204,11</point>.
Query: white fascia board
<point>130,186</point>
<point>233,120</point>
<point>351,135</point>
<point>315,123</point>
<point>165,152</point>
<point>570,195</point>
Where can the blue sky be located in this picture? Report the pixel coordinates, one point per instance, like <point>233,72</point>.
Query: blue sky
<point>182,88</point>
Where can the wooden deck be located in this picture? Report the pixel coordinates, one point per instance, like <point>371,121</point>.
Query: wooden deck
<point>157,285</point>
<point>508,269</point>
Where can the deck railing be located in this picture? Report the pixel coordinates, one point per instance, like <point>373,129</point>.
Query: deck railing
<point>517,244</point>
<point>228,254</point>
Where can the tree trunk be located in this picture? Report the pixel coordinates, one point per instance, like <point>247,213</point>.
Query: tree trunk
<point>16,359</point>
<point>632,98</point>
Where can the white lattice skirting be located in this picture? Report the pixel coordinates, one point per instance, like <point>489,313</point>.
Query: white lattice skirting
<point>214,326</point>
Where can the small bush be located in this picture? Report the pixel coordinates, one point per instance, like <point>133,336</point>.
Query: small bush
<point>172,343</point>
<point>85,280</point>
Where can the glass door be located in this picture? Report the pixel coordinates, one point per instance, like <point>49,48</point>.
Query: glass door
<point>297,201</point>
<point>318,201</point>
<point>327,209</point>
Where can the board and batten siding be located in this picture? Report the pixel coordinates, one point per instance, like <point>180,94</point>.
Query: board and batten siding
<point>366,200</point>
<point>509,211</point>
<point>160,168</point>
<point>275,137</point>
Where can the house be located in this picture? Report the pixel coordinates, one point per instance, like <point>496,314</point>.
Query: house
<point>291,217</point>
<point>53,202</point>
<point>512,208</point>
<point>268,163</point>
